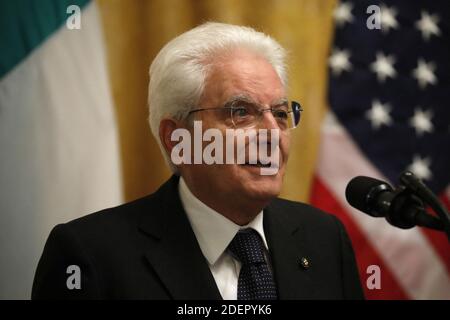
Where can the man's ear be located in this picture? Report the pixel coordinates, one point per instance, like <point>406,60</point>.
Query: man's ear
<point>166,127</point>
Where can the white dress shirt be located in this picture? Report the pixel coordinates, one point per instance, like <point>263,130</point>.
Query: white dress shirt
<point>214,233</point>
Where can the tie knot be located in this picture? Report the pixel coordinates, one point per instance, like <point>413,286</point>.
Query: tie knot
<point>248,246</point>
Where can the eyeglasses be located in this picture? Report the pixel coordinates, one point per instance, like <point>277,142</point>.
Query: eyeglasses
<point>245,114</point>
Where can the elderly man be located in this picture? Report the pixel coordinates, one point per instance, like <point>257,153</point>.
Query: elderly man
<point>214,229</point>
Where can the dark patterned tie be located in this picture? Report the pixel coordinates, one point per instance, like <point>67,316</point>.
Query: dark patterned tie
<point>255,279</point>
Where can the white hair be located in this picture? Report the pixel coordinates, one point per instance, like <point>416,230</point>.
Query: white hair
<point>179,71</point>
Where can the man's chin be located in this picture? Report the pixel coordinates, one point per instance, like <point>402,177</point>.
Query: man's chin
<point>263,189</point>
<point>262,198</point>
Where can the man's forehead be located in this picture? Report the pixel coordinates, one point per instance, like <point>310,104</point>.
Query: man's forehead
<point>242,76</point>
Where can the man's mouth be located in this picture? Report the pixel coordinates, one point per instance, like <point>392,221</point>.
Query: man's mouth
<point>258,164</point>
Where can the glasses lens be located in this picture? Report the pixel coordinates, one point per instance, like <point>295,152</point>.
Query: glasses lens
<point>243,114</point>
<point>295,114</point>
<point>281,115</point>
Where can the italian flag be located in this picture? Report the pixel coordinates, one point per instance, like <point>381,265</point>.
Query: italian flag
<point>58,136</point>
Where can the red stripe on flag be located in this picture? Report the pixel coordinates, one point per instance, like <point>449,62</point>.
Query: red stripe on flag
<point>445,201</point>
<point>322,198</point>
<point>439,240</point>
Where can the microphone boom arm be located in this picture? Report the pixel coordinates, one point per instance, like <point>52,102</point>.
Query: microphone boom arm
<point>418,188</point>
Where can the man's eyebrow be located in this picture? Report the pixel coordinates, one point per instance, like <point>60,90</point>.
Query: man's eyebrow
<point>247,98</point>
<point>239,97</point>
<point>279,102</point>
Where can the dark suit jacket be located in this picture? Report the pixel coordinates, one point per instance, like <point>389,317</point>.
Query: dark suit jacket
<point>146,249</point>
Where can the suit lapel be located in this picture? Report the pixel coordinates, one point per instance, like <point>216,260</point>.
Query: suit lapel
<point>173,251</point>
<point>287,247</point>
<point>175,256</point>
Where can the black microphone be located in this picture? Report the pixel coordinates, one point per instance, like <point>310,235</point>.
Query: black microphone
<point>401,208</point>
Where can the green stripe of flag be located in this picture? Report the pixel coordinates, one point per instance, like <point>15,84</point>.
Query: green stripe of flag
<point>25,24</point>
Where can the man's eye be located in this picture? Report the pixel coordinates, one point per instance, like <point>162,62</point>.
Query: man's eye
<point>280,114</point>
<point>240,112</point>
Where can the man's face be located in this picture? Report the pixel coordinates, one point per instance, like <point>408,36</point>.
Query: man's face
<point>240,73</point>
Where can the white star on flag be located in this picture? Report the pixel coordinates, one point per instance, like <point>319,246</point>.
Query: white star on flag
<point>424,73</point>
<point>388,18</point>
<point>343,13</point>
<point>379,114</point>
<point>421,167</point>
<point>383,67</point>
<point>421,121</point>
<point>339,61</point>
<point>428,25</point>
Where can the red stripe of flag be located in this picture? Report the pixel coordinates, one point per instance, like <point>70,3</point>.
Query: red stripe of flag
<point>366,255</point>
<point>439,240</point>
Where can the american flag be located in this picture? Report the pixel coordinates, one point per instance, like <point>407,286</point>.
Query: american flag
<point>389,98</point>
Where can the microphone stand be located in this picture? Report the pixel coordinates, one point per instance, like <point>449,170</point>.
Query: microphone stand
<point>412,186</point>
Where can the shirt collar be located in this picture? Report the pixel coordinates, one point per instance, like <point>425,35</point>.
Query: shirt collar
<point>213,231</point>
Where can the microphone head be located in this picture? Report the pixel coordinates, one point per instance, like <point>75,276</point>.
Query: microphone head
<point>361,191</point>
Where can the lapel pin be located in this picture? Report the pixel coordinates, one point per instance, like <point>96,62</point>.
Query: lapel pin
<point>304,263</point>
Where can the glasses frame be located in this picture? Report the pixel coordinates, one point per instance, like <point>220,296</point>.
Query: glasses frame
<point>294,106</point>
